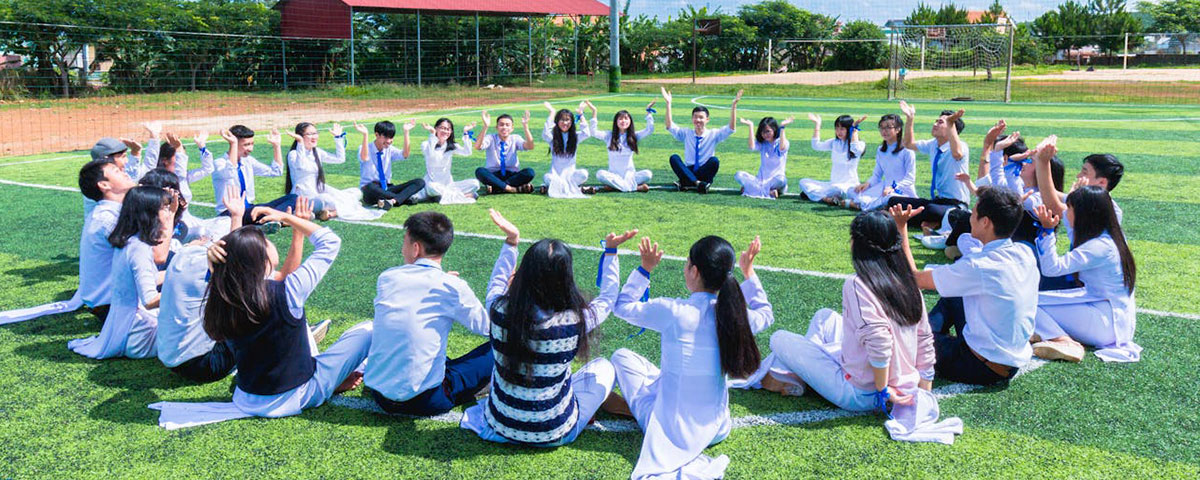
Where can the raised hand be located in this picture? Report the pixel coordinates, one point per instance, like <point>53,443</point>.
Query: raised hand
<point>814,118</point>
<point>234,202</point>
<point>1046,218</point>
<point>651,254</point>
<point>902,213</point>
<point>216,252</point>
<point>548,106</point>
<point>409,125</point>
<point>613,240</point>
<point>995,132</point>
<point>153,128</point>
<point>860,120</point>
<point>468,127</point>
<point>135,148</point>
<point>1047,148</point>
<point>737,98</point>
<point>651,104</point>
<point>336,129</point>
<point>273,138</point>
<point>666,94</point>
<point>487,119</point>
<point>173,140</point>
<point>304,208</point>
<point>294,136</point>
<point>1079,182</point>
<point>428,127</point>
<point>525,118</point>
<point>746,121</point>
<point>746,259</point>
<point>955,116</point>
<point>787,121</point>
<point>1008,141</point>
<point>201,138</point>
<point>360,128</point>
<point>907,110</point>
<point>228,136</point>
<point>512,235</point>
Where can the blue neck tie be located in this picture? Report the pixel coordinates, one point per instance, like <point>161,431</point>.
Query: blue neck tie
<point>696,161</point>
<point>242,182</point>
<point>564,135</point>
<point>937,153</point>
<point>379,170</point>
<point>503,148</point>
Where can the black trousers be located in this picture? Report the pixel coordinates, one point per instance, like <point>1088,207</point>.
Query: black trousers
<point>499,181</point>
<point>935,209</point>
<point>373,192</point>
<point>210,367</point>
<point>955,360</point>
<point>688,177</point>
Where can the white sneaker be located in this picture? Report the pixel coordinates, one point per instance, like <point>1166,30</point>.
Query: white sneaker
<point>934,242</point>
<point>320,330</point>
<point>1071,351</point>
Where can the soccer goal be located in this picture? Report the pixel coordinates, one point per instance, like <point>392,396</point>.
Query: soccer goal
<point>951,62</point>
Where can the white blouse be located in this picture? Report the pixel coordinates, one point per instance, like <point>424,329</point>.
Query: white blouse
<point>302,166</point>
<point>620,161</point>
<point>844,170</point>
<point>438,160</point>
<point>561,162</point>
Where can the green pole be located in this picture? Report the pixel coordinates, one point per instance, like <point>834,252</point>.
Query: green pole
<point>614,48</point>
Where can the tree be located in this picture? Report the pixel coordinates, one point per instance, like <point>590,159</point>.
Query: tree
<point>948,14</point>
<point>1068,27</point>
<point>1026,48</point>
<point>858,55</point>
<point>1111,23</point>
<point>993,13</point>
<point>775,20</point>
<point>1174,16</point>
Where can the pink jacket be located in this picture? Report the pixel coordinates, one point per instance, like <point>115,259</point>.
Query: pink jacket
<point>871,339</point>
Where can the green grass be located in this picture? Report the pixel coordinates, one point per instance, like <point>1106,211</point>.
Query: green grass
<point>62,415</point>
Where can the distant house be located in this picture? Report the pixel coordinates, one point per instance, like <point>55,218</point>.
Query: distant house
<point>10,61</point>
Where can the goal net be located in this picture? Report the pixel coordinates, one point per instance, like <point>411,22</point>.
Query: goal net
<point>951,62</point>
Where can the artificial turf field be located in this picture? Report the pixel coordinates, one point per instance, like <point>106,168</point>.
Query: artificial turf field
<point>65,416</point>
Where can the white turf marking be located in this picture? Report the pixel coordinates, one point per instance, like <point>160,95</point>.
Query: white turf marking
<point>696,101</point>
<point>779,418</point>
<point>487,236</point>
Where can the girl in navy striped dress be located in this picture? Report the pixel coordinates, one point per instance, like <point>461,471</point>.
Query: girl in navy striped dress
<point>539,326</point>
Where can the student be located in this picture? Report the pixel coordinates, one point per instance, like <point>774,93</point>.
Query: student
<point>502,172</point>
<point>948,157</point>
<point>264,322</point>
<point>1102,313</point>
<point>439,149</point>
<point>698,167</point>
<point>564,180</point>
<point>882,346</point>
<point>305,175</point>
<point>106,184</point>
<point>845,150</point>
<point>997,283</point>
<point>171,156</point>
<point>772,146</point>
<point>238,168</point>
<point>417,303</point>
<point>895,169</point>
<point>1100,169</point>
<point>706,338</point>
<point>121,152</point>
<point>539,326</point>
<point>142,239</point>
<point>375,167</point>
<point>182,344</point>
<point>622,145</point>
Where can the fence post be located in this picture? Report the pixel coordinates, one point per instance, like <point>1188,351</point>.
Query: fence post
<point>418,48</point>
<point>923,37</point>
<point>283,51</point>
<point>352,46</point>
<point>614,47</point>
<point>1012,30</point>
<point>530,45</point>
<point>576,70</point>
<point>1125,57</point>
<point>478,72</point>
<point>770,51</point>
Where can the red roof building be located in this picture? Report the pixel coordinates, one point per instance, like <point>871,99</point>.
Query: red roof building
<point>330,19</point>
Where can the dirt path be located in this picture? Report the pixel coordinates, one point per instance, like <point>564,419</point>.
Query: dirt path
<point>840,77</point>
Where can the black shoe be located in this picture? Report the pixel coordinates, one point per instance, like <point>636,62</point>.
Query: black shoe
<point>384,205</point>
<point>678,186</point>
<point>702,187</point>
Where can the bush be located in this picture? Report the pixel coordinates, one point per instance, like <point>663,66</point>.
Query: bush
<point>858,55</point>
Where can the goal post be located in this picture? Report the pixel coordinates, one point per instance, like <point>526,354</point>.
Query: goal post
<point>951,62</point>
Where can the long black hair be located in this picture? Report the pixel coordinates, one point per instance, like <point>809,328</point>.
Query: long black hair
<point>899,132</point>
<point>161,178</point>
<point>713,258</point>
<point>542,287</point>
<point>1094,215</point>
<point>287,174</point>
<point>449,140</point>
<point>880,263</point>
<point>614,143</point>
<point>556,141</point>
<point>139,216</point>
<point>166,153</point>
<point>237,298</point>
<point>846,122</point>
<point>765,123</point>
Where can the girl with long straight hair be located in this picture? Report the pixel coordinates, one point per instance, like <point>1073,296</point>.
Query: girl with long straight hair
<point>772,147</point>
<point>706,339</point>
<point>142,239</point>
<point>304,175</point>
<point>1102,313</point>
<point>845,150</point>
<point>564,179</point>
<point>439,151</point>
<point>540,324</point>
<point>622,145</point>
<point>880,348</point>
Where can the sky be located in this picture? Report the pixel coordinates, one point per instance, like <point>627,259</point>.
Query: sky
<point>877,11</point>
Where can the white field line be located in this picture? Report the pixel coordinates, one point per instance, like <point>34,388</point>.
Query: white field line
<point>488,236</point>
<point>696,101</point>
<point>779,418</point>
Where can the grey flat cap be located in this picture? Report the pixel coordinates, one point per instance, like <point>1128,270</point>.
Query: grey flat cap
<point>107,146</point>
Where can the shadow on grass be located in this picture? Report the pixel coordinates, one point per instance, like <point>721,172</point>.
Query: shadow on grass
<point>62,269</point>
